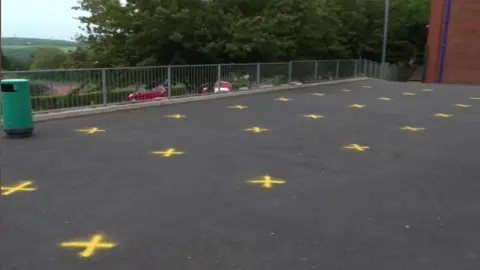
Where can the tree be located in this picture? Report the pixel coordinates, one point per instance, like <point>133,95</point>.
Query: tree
<point>48,58</point>
<point>159,32</point>
<point>5,62</point>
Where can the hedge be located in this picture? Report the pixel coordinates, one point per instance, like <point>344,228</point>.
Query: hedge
<point>51,102</point>
<point>79,99</point>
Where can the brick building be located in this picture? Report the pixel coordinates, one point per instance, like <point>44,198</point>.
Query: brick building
<point>454,42</point>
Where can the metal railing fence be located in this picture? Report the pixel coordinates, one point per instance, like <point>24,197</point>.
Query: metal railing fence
<point>74,88</point>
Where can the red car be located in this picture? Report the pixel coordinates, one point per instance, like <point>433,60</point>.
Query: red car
<point>157,92</point>
<point>224,87</point>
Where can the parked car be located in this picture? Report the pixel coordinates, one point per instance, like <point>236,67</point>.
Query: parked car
<point>224,86</point>
<point>151,91</point>
<point>159,91</point>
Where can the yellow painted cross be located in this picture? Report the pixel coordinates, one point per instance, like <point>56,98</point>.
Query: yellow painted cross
<point>346,90</point>
<point>444,115</point>
<point>256,129</point>
<point>408,94</point>
<point>167,152</point>
<point>175,116</point>
<point>412,128</point>
<point>357,106</point>
<point>313,116</point>
<point>384,98</point>
<point>356,147</point>
<point>318,94</point>
<point>89,246</point>
<point>475,98</point>
<point>463,105</point>
<point>240,107</point>
<point>267,181</point>
<point>282,99</point>
<point>91,130</point>
<point>427,90</point>
<point>22,186</point>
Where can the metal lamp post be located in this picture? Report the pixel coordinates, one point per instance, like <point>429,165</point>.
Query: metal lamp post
<point>385,34</point>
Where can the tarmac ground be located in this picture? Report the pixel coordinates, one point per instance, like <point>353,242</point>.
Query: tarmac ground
<point>356,176</point>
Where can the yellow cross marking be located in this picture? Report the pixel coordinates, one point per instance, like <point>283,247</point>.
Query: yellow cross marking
<point>463,105</point>
<point>90,246</point>
<point>267,181</point>
<point>240,107</point>
<point>22,186</point>
<point>346,90</point>
<point>91,130</point>
<point>318,94</point>
<point>167,152</point>
<point>412,128</point>
<point>283,99</point>
<point>408,94</point>
<point>256,129</point>
<point>475,98</point>
<point>443,115</point>
<point>367,86</point>
<point>357,147</point>
<point>427,90</point>
<point>357,106</point>
<point>176,116</point>
<point>313,116</point>
<point>384,98</point>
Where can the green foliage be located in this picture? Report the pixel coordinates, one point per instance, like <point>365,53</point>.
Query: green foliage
<point>12,63</point>
<point>238,81</point>
<point>179,89</point>
<point>48,58</point>
<point>23,49</point>
<point>5,62</point>
<point>173,32</point>
<point>154,32</point>
<point>50,102</point>
<point>18,41</point>
<point>277,80</point>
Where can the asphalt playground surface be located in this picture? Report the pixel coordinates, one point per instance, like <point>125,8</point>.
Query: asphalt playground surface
<point>409,201</point>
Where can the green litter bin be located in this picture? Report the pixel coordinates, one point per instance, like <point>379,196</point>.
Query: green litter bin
<point>17,113</point>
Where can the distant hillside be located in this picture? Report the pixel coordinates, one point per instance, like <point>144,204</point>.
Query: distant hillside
<point>24,48</point>
<point>16,41</point>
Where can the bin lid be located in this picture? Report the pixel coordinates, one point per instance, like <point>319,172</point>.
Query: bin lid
<point>14,81</point>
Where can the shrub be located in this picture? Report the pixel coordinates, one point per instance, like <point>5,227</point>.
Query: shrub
<point>277,80</point>
<point>242,82</point>
<point>76,99</point>
<point>179,89</point>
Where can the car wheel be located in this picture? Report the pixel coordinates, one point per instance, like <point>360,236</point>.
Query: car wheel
<point>133,99</point>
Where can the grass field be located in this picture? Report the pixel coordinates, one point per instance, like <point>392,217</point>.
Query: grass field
<point>23,48</point>
<point>25,52</point>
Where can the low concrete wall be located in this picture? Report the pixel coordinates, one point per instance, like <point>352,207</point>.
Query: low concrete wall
<point>42,116</point>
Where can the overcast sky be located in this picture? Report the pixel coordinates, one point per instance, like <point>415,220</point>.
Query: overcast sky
<point>39,19</point>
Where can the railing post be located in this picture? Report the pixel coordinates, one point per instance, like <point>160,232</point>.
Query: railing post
<point>383,71</point>
<point>338,70</point>
<point>290,72</point>
<point>169,83</point>
<point>365,68</point>
<point>315,72</point>
<point>355,69</point>
<point>258,75</point>
<point>219,74</point>
<point>104,87</point>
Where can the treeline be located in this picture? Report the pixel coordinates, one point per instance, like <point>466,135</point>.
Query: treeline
<point>161,32</point>
<point>19,41</point>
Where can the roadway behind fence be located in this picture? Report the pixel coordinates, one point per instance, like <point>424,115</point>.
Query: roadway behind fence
<point>77,88</point>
